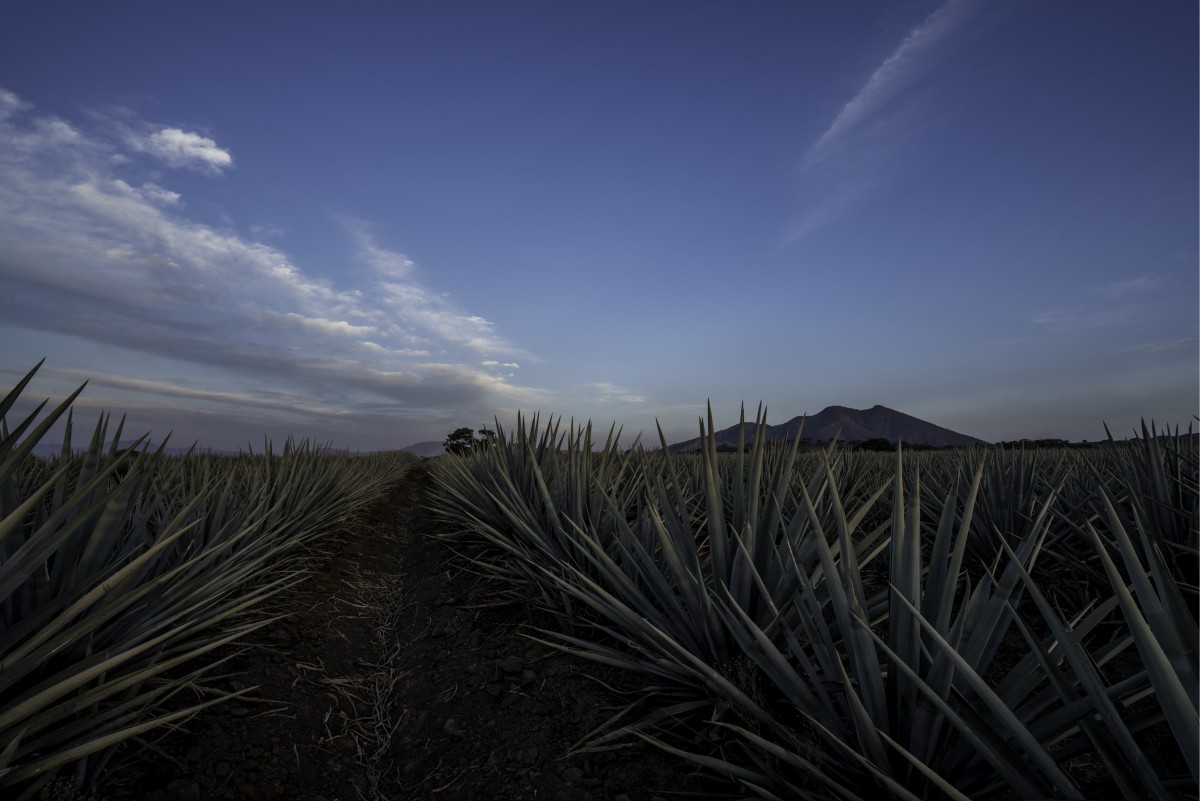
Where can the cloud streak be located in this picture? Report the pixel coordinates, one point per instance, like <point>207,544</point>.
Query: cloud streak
<point>854,154</point>
<point>1159,347</point>
<point>90,251</point>
<point>605,392</point>
<point>896,72</point>
<point>1110,303</point>
<point>1130,286</point>
<point>1081,318</point>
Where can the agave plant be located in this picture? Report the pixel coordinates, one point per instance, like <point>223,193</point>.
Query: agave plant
<point>836,638</point>
<point>122,571</point>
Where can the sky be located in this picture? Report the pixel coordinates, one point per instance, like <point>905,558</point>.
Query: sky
<point>369,224</point>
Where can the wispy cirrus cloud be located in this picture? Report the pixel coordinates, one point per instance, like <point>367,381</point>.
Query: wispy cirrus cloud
<point>1107,304</point>
<point>10,104</point>
<point>91,248</point>
<point>1081,317</point>
<point>890,78</point>
<point>438,317</point>
<point>398,290</point>
<point>853,155</point>
<point>386,263</point>
<point>318,324</point>
<point>1127,287</point>
<point>605,392</point>
<point>274,401</point>
<point>1159,347</point>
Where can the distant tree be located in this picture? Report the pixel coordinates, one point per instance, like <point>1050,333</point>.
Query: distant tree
<point>462,441</point>
<point>1031,444</point>
<point>876,444</point>
<point>487,438</point>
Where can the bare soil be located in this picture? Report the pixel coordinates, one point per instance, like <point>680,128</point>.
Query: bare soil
<point>400,673</point>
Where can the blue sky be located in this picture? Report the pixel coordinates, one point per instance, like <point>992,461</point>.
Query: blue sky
<point>370,224</point>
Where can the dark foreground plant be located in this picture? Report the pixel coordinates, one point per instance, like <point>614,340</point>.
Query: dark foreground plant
<point>123,570</point>
<point>852,624</point>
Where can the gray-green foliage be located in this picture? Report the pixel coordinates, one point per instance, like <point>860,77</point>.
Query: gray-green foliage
<point>933,625</point>
<point>123,570</point>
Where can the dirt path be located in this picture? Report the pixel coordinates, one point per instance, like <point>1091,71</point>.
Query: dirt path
<point>400,674</point>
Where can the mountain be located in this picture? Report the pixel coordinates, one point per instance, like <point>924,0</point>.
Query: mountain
<point>848,425</point>
<point>425,448</point>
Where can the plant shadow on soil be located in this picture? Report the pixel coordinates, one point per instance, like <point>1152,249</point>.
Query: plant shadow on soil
<point>399,673</point>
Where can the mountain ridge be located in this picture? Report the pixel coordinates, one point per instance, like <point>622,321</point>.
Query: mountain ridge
<point>877,422</point>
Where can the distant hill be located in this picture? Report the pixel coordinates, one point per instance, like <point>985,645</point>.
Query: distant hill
<point>425,448</point>
<point>848,425</point>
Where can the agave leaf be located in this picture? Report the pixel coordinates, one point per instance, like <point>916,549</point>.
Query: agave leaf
<point>897,790</point>
<point>718,765</point>
<point>50,717</point>
<point>1182,715</point>
<point>980,735</point>
<point>10,750</point>
<point>903,633</point>
<point>929,773</point>
<point>51,763</point>
<point>88,598</point>
<point>1004,718</point>
<point>17,454</point>
<point>6,403</point>
<point>847,603</point>
<point>1165,611</point>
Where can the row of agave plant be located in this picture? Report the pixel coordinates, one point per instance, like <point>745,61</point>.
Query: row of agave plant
<point>967,624</point>
<point>123,572</point>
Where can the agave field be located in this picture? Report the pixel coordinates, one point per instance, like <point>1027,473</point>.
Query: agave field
<point>123,572</point>
<point>972,624</point>
<point>969,624</point>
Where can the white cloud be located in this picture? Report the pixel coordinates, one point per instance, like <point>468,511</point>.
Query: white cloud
<point>375,347</point>
<point>156,194</point>
<point>434,314</point>
<point>386,263</point>
<point>87,251</point>
<point>150,192</point>
<point>423,308</point>
<point>320,324</point>
<point>58,131</point>
<point>10,104</point>
<point>180,148</point>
